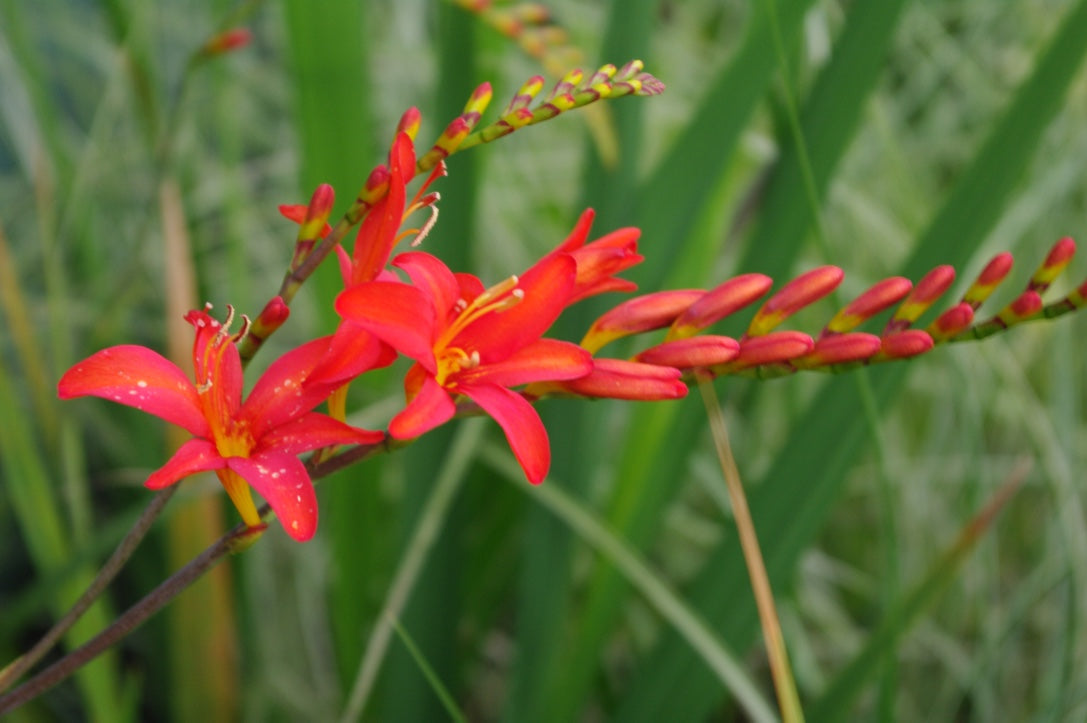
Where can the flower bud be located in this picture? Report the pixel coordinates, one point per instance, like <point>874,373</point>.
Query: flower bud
<point>619,379</point>
<point>904,344</point>
<point>952,322</point>
<point>842,348</point>
<point>692,353</point>
<point>773,348</point>
<point>719,302</point>
<point>990,277</point>
<point>800,292</point>
<point>882,295</point>
<point>640,314</point>
<point>924,295</point>
<point>1058,259</point>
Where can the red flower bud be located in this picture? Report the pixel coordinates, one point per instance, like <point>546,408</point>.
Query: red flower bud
<point>1058,259</point>
<point>773,348</point>
<point>904,344</point>
<point>1025,306</point>
<point>619,379</point>
<point>691,353</point>
<point>719,302</point>
<point>640,314</point>
<point>882,295</point>
<point>924,295</point>
<point>990,277</point>
<point>952,322</point>
<point>840,349</point>
<point>800,292</point>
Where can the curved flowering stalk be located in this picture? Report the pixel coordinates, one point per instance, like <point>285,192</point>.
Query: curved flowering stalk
<point>763,351</point>
<point>531,26</point>
<point>316,239</point>
<point>574,90</point>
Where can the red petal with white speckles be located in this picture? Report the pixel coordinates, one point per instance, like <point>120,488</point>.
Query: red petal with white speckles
<point>137,377</point>
<point>313,431</point>
<point>283,482</point>
<point>281,394</point>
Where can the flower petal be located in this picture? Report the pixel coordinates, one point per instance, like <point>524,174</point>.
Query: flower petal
<point>312,431</point>
<point>217,364</point>
<point>542,360</point>
<point>137,377</point>
<point>378,233</point>
<point>196,455</point>
<point>431,276</point>
<point>398,314</point>
<point>524,430</point>
<point>352,350</point>
<point>428,409</point>
<point>281,393</point>
<point>282,480</point>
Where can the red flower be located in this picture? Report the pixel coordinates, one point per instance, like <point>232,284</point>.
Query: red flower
<point>254,442</point>
<point>472,342</point>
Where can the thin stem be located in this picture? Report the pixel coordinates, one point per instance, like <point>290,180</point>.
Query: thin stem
<point>109,571</point>
<point>126,623</point>
<point>235,540</point>
<point>785,686</point>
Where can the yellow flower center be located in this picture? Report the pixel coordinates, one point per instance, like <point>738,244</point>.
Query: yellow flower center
<point>452,359</point>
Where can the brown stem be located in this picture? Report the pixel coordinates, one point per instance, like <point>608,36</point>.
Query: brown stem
<point>126,623</point>
<point>109,571</point>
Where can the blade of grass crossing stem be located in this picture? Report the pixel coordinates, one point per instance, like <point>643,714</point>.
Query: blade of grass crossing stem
<point>327,46</point>
<point>203,640</point>
<point>433,613</point>
<point>824,441</point>
<point>540,691</point>
<point>595,532</point>
<point>834,702</point>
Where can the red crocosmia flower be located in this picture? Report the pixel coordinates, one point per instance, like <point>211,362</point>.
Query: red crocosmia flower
<point>473,342</point>
<point>254,443</point>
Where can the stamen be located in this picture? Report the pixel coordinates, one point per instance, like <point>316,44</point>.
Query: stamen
<point>425,229</point>
<point>498,298</point>
<point>246,325</point>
